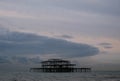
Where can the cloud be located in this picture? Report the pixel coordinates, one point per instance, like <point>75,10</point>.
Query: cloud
<point>15,14</point>
<point>18,43</point>
<point>3,59</point>
<point>85,17</point>
<point>19,60</point>
<point>94,6</point>
<point>65,36</point>
<point>106,45</point>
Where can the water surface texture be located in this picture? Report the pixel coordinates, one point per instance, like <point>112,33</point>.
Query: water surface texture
<point>32,76</point>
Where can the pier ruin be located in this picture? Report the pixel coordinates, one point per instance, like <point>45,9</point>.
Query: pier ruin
<point>59,65</point>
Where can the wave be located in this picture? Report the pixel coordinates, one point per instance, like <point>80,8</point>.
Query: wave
<point>31,76</point>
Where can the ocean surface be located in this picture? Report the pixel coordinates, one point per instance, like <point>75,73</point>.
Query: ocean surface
<point>34,76</point>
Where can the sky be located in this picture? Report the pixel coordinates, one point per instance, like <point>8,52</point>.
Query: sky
<point>83,31</point>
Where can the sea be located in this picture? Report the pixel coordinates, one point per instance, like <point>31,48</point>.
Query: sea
<point>37,76</point>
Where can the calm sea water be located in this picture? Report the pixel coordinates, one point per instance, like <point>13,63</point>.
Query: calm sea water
<point>32,76</point>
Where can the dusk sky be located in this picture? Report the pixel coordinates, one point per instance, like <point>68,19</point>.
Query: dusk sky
<point>87,32</point>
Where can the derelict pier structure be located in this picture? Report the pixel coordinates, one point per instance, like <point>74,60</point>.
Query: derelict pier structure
<point>58,65</point>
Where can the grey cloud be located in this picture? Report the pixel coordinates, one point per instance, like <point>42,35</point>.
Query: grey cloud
<point>98,6</point>
<point>19,60</point>
<point>95,6</point>
<point>16,43</point>
<point>4,59</point>
<point>84,17</point>
<point>66,36</point>
<point>106,45</point>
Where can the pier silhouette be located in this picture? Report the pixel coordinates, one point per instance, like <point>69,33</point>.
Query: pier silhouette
<point>58,65</point>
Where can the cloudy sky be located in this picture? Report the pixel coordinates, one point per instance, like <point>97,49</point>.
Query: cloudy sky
<point>83,31</point>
